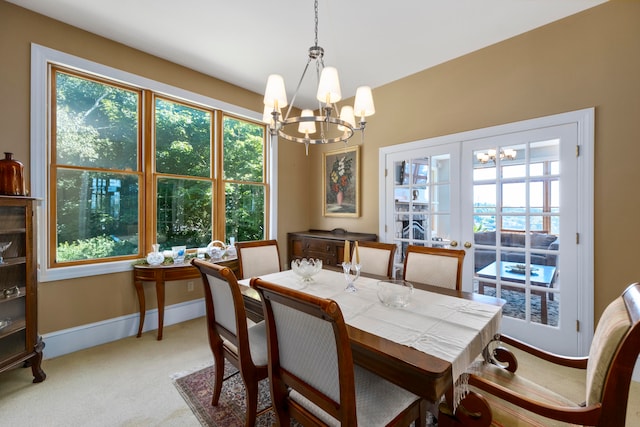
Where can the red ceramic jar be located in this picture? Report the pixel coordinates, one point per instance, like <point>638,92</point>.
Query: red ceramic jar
<point>11,176</point>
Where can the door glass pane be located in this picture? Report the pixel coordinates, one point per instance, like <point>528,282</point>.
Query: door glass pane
<point>422,202</point>
<point>484,198</point>
<point>517,261</point>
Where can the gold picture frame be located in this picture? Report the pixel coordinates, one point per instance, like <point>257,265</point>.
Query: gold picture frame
<point>341,182</point>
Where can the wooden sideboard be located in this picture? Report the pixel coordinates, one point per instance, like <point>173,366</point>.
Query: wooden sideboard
<point>327,245</point>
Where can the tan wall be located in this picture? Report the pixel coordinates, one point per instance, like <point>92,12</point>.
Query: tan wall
<point>588,60</point>
<point>591,59</point>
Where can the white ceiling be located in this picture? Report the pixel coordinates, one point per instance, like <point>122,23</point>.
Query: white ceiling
<point>370,42</point>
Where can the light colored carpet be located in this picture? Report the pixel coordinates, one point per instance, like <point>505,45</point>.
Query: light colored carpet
<point>129,383</point>
<point>123,383</point>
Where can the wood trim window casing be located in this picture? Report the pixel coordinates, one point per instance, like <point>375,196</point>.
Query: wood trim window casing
<point>147,197</point>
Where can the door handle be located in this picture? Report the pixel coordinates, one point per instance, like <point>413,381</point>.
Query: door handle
<point>454,243</point>
<point>467,245</point>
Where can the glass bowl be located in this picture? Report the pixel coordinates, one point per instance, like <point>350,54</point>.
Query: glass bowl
<point>306,268</point>
<point>395,293</point>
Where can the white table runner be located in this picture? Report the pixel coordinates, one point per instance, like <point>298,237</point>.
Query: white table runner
<point>450,328</point>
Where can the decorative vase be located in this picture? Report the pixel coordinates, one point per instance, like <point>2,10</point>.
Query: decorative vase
<point>156,257</point>
<point>339,197</point>
<point>11,176</point>
<point>179,254</point>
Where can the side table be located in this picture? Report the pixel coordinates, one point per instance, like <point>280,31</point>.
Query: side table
<point>166,273</point>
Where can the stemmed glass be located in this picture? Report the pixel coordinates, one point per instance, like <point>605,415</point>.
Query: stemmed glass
<point>346,268</point>
<point>3,247</point>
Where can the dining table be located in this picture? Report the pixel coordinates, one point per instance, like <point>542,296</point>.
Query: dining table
<point>425,346</point>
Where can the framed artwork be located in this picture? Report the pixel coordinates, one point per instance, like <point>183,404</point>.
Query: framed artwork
<point>341,182</point>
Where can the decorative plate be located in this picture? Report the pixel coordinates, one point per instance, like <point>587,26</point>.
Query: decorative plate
<point>520,269</point>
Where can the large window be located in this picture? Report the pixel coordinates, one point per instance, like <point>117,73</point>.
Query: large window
<point>130,167</point>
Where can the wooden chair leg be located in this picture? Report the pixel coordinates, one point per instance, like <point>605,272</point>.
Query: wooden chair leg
<point>422,418</point>
<point>218,359</point>
<point>251,389</point>
<point>473,411</point>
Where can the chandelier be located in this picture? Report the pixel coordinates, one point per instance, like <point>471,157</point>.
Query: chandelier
<point>490,155</point>
<point>326,126</point>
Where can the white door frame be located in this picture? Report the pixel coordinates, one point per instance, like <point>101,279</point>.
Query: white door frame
<point>584,120</point>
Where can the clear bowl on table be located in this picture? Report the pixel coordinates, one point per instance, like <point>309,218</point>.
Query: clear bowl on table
<point>395,293</point>
<point>306,268</point>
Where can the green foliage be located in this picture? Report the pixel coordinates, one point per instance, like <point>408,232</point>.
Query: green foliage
<point>96,247</point>
<point>183,139</point>
<point>244,203</point>
<point>184,212</point>
<point>245,212</point>
<point>243,148</point>
<point>97,209</point>
<point>97,124</point>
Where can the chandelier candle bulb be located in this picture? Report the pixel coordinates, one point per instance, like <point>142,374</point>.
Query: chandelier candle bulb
<point>347,251</point>
<point>307,127</point>
<point>346,114</point>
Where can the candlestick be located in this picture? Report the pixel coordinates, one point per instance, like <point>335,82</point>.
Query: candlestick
<point>347,251</point>
<point>357,254</point>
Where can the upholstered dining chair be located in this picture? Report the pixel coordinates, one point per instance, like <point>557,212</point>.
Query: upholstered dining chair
<point>258,257</point>
<point>433,266</point>
<point>501,397</point>
<point>231,335</point>
<point>376,257</point>
<point>311,371</point>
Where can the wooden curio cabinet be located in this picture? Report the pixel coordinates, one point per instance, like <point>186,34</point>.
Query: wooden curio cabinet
<point>20,344</point>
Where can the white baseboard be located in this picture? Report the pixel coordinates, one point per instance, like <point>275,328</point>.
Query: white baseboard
<point>67,341</point>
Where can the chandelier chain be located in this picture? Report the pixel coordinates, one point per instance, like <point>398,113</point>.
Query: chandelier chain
<point>315,10</point>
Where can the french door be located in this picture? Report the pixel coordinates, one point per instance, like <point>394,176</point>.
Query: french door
<point>509,196</point>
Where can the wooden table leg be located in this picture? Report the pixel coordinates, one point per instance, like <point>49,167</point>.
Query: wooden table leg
<point>141,302</point>
<point>160,295</point>
<point>543,306</point>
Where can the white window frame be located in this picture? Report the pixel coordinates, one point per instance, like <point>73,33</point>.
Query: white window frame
<point>41,57</point>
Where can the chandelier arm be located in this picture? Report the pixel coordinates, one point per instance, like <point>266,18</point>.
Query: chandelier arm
<point>293,100</point>
<point>344,137</point>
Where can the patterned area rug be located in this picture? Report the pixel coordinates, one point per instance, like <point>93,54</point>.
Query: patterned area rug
<point>197,390</point>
